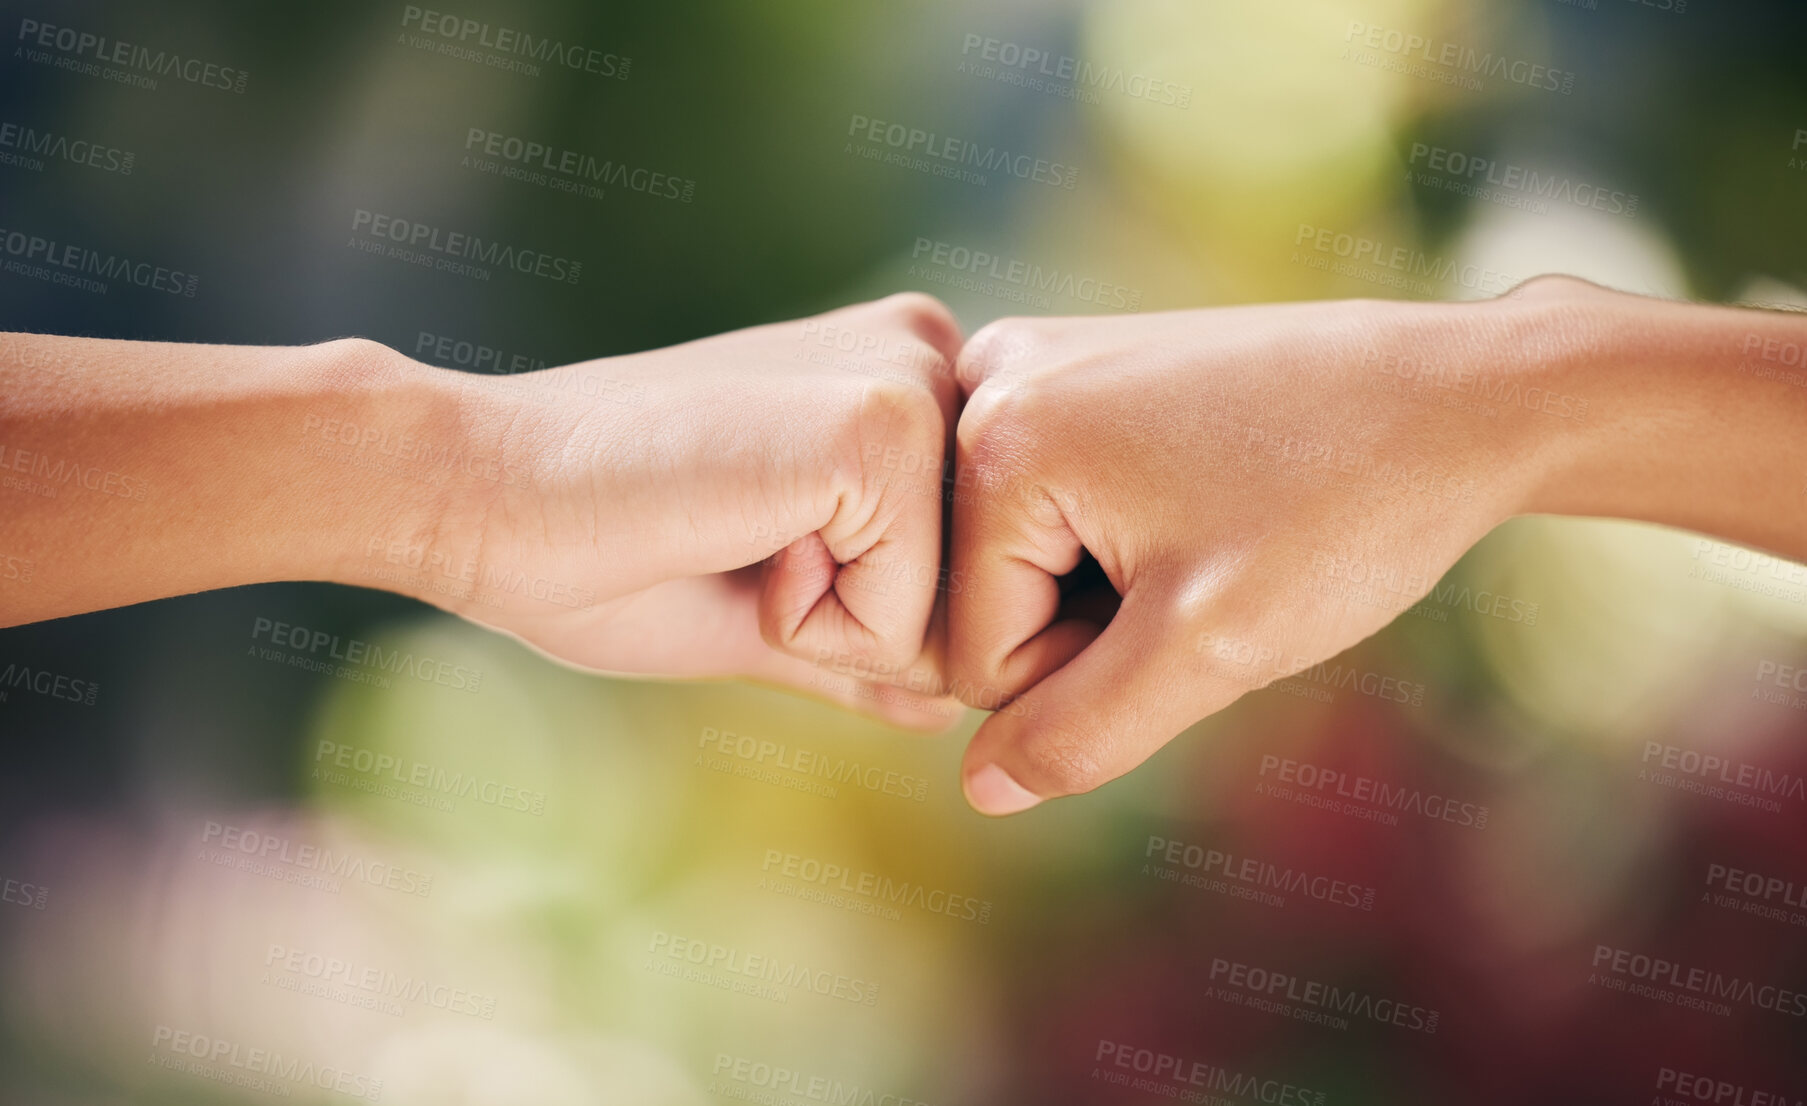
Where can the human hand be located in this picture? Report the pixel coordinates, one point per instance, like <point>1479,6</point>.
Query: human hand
<point>1232,472</point>
<point>1240,477</point>
<point>723,507</point>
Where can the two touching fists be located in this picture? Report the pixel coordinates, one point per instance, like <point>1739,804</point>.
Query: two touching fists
<point>1144,517</point>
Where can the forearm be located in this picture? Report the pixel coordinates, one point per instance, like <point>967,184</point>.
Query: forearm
<point>131,471</point>
<point>1629,407</point>
<point>1713,436</point>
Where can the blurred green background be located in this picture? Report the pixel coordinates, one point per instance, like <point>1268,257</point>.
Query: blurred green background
<point>326,888</point>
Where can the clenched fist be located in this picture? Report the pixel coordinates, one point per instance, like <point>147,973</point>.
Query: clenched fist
<point>1170,510</point>
<point>1152,514</point>
<point>719,508</point>
<point>740,518</point>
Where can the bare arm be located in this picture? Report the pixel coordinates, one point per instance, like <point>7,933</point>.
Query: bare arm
<point>726,507</point>
<point>1234,470</point>
<point>137,470</point>
<point>1696,418</point>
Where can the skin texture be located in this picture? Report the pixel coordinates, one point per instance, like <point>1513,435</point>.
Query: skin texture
<point>720,508</point>
<point>1151,514</point>
<point>1224,469</point>
<point>742,519</point>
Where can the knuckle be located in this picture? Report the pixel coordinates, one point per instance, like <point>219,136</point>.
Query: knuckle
<point>1060,763</point>
<point>992,411</point>
<point>919,310</point>
<point>927,319</point>
<point>997,347</point>
<point>998,429</point>
<point>905,414</point>
<point>1002,333</point>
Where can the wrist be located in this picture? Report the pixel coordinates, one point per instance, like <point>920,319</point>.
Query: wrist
<point>390,445</point>
<point>1554,380</point>
<point>1493,394</point>
<point>464,465</point>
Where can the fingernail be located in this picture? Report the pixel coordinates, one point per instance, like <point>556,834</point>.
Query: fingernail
<point>990,790</point>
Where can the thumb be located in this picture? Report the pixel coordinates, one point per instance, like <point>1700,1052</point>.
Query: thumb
<point>1136,686</point>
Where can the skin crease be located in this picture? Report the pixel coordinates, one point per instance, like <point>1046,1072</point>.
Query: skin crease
<point>1252,450</point>
<point>735,517</point>
<point>1151,514</point>
<point>746,514</point>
